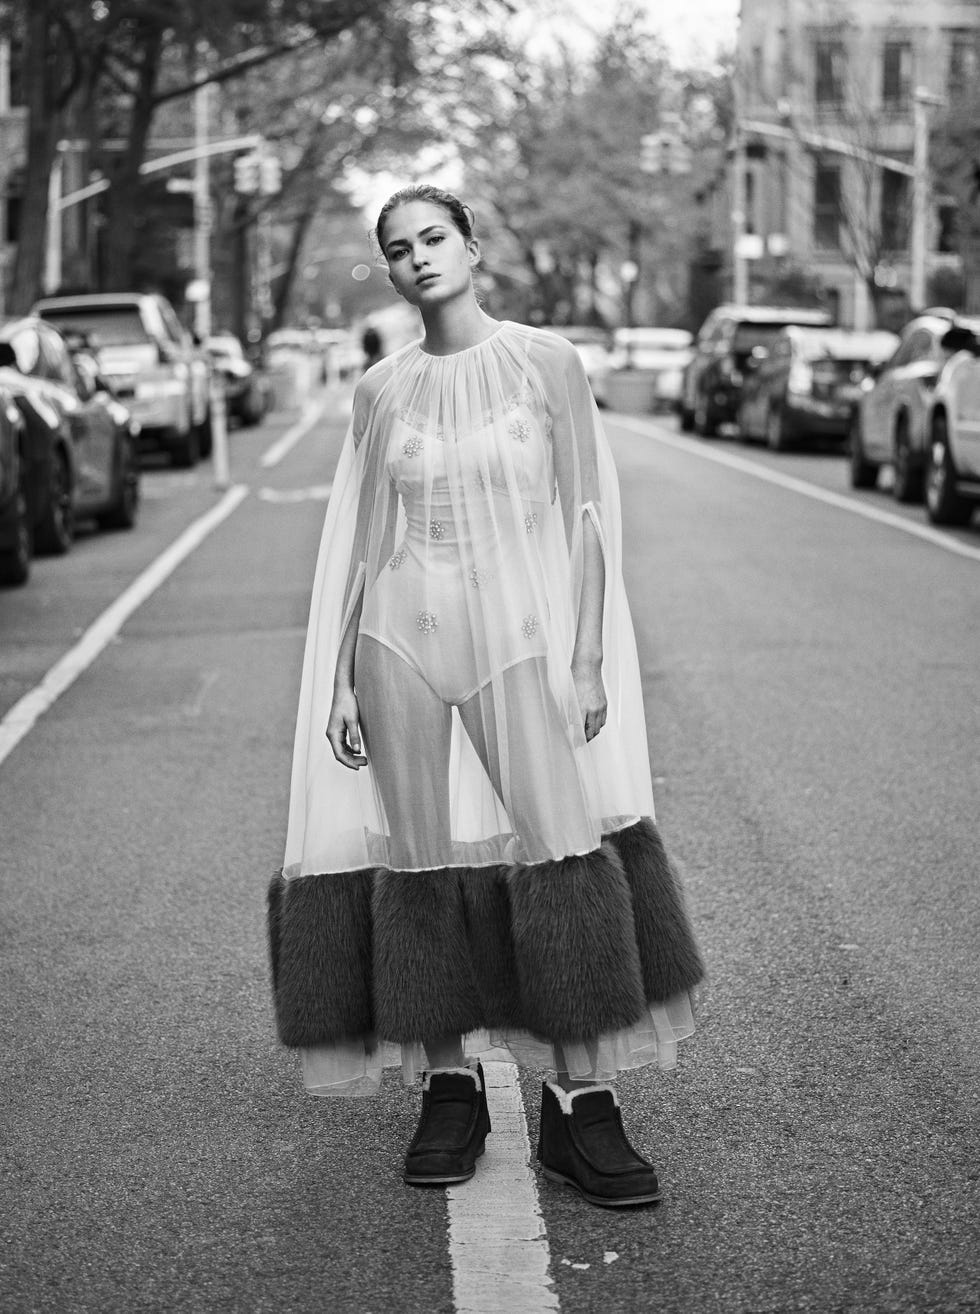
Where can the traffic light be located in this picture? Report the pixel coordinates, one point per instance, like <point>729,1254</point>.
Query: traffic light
<point>247,173</point>
<point>650,155</point>
<point>270,175</point>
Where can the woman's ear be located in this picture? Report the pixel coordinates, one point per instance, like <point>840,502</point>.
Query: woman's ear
<point>473,247</point>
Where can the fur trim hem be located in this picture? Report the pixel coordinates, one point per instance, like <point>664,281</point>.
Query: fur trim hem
<point>566,1098</point>
<point>577,963</point>
<point>319,943</point>
<point>669,957</point>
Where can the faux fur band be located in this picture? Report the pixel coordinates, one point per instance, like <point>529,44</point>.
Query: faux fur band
<point>575,948</point>
<point>568,950</point>
<point>566,1098</point>
<point>669,957</point>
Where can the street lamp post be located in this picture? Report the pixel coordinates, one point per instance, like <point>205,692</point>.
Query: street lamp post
<point>922,100</point>
<point>202,212</point>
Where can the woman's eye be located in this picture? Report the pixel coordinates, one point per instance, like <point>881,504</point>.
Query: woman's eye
<point>435,239</point>
<point>397,255</point>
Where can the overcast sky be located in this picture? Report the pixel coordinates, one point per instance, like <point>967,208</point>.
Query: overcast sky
<point>694,30</point>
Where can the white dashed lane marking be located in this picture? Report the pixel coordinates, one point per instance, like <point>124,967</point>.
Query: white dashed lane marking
<point>925,532</point>
<point>24,714</point>
<point>497,1241</point>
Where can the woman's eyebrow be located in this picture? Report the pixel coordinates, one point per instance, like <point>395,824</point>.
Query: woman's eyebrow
<point>403,241</point>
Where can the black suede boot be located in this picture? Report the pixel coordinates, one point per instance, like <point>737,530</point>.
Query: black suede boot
<point>452,1130</point>
<point>583,1144</point>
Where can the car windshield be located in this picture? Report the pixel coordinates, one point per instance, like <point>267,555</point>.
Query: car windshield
<point>834,369</point>
<point>105,327</point>
<point>748,336</point>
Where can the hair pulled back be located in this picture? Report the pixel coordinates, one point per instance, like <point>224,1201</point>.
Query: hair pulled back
<point>461,215</point>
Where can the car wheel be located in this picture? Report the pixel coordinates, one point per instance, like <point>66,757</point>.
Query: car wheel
<point>123,513</point>
<point>705,424</point>
<point>944,505</point>
<point>56,528</point>
<point>864,473</point>
<point>687,419</point>
<point>15,561</point>
<point>908,476</point>
<point>186,451</point>
<point>775,429</point>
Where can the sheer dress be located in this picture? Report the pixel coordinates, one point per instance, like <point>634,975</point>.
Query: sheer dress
<point>457,523</point>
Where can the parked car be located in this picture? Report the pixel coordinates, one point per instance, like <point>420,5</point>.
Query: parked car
<point>152,363</point>
<point>79,449</point>
<point>15,525</point>
<point>663,352</point>
<point>808,383</point>
<point>593,345</point>
<point>890,427</point>
<point>723,355</point>
<point>952,463</point>
<point>247,391</point>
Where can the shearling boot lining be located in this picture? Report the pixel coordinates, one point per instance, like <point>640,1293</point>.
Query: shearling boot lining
<point>669,957</point>
<point>566,1098</point>
<point>458,1072</point>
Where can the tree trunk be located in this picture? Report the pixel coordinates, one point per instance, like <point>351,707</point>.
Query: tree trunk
<point>284,288</point>
<point>42,67</point>
<point>124,202</point>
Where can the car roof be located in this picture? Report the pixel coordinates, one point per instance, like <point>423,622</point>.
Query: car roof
<point>93,301</point>
<point>774,314</point>
<point>840,341</point>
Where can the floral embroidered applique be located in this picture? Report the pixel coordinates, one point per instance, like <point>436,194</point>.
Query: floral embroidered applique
<point>437,529</point>
<point>427,622</point>
<point>412,445</point>
<point>519,429</point>
<point>529,626</point>
<point>398,559</point>
<point>530,522</point>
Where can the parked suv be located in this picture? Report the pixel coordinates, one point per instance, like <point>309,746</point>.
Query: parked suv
<point>723,354</point>
<point>809,383</point>
<point>151,361</point>
<point>952,465</point>
<point>891,424</point>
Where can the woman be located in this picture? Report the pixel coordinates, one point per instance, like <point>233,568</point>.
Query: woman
<point>471,866</point>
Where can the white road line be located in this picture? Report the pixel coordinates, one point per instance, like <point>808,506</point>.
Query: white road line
<point>284,445</point>
<point>497,1243</point>
<point>929,535</point>
<point>25,712</point>
<point>315,493</point>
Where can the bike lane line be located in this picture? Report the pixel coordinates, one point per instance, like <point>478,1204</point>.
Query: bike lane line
<point>843,503</point>
<point>296,432</point>
<point>24,714</point>
<point>498,1246</point>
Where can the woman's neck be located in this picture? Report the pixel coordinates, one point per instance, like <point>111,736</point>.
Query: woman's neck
<point>454,327</point>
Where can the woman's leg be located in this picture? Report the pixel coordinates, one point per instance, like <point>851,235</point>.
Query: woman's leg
<point>521,737</point>
<point>406,729</point>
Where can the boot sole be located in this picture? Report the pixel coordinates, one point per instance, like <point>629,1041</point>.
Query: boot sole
<point>605,1202</point>
<point>420,1179</point>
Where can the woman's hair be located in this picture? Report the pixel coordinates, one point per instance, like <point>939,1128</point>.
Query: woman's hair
<point>461,215</point>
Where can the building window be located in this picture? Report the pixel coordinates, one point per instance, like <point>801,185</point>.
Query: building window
<point>895,191</point>
<point>826,206</point>
<point>964,62</point>
<point>829,72</point>
<point>896,81</point>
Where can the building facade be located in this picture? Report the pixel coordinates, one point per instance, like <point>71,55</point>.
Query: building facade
<point>823,176</point>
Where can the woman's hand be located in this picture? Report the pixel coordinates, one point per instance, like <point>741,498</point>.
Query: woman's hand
<point>343,729</point>
<point>591,695</point>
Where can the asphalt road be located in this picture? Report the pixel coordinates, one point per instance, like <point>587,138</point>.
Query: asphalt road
<point>811,682</point>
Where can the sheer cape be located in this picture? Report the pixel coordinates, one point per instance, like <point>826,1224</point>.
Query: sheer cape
<point>457,518</point>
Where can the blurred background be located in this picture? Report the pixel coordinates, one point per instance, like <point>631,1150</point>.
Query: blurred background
<point>630,165</point>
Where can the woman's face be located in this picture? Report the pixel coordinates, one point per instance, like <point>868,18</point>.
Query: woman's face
<point>429,259</point>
